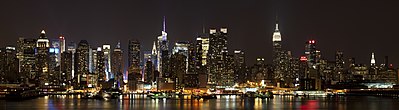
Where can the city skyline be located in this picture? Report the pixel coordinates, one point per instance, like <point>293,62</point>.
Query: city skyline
<point>352,25</point>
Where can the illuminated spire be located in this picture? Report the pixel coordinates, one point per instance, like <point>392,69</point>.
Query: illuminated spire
<point>164,34</point>
<point>276,34</point>
<point>164,24</point>
<point>154,48</point>
<point>118,45</point>
<point>372,59</point>
<point>43,32</point>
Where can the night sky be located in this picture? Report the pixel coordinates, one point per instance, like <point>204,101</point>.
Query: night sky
<point>356,27</point>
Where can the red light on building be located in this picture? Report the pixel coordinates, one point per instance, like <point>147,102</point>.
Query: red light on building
<point>391,65</point>
<point>303,58</point>
<point>312,41</point>
<point>61,37</point>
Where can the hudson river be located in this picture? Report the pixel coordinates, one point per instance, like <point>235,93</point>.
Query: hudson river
<point>60,102</point>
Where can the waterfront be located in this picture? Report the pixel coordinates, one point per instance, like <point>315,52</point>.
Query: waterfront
<point>223,102</point>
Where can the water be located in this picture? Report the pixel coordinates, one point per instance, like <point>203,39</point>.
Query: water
<point>224,102</point>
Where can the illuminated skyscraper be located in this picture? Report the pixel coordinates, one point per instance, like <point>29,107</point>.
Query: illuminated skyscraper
<point>311,53</point>
<point>27,58</point>
<point>54,63</point>
<point>62,44</point>
<point>202,47</point>
<point>72,50</point>
<point>162,52</point>
<point>107,61</point>
<point>134,61</point>
<point>278,55</point>
<point>217,56</point>
<point>239,66</point>
<point>117,63</point>
<point>42,55</point>
<point>100,66</point>
<point>82,63</point>
<point>372,61</point>
<point>9,65</point>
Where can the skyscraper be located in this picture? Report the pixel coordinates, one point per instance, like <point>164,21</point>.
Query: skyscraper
<point>217,54</point>
<point>42,55</point>
<point>134,61</point>
<point>202,47</point>
<point>239,66</point>
<point>107,61</point>
<point>311,53</point>
<point>62,44</point>
<point>117,63</point>
<point>54,63</point>
<point>28,61</point>
<point>100,66</point>
<point>162,50</point>
<point>82,63</point>
<point>372,61</point>
<point>10,65</point>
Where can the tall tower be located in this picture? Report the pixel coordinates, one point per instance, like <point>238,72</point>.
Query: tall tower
<point>163,52</point>
<point>107,61</point>
<point>62,43</point>
<point>217,54</point>
<point>82,63</point>
<point>42,47</point>
<point>372,62</point>
<point>117,63</point>
<point>277,53</point>
<point>134,61</point>
<point>311,53</point>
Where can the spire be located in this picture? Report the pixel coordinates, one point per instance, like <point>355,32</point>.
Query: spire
<point>276,34</point>
<point>164,34</point>
<point>118,45</point>
<point>372,62</point>
<point>164,24</point>
<point>276,23</point>
<point>43,32</point>
<point>154,48</point>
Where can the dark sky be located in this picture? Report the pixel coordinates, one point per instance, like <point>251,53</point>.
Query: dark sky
<point>357,27</point>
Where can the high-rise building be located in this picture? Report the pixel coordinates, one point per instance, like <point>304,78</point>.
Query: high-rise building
<point>280,59</point>
<point>42,55</point>
<point>372,61</point>
<point>182,47</point>
<point>100,66</point>
<point>217,54</point>
<point>310,52</point>
<point>239,66</point>
<point>72,49</point>
<point>107,61</point>
<point>82,64</point>
<point>62,44</point>
<point>54,63</point>
<point>201,55</point>
<point>163,52</point>
<point>339,66</point>
<point>134,61</point>
<point>26,54</point>
<point>10,65</point>
<point>66,68</point>
<point>117,63</point>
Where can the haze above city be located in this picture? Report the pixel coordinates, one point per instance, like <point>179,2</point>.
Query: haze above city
<point>356,27</point>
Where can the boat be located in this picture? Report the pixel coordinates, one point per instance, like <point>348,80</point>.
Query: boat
<point>159,95</point>
<point>264,95</point>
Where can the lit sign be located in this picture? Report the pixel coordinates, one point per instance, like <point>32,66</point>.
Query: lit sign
<point>303,58</point>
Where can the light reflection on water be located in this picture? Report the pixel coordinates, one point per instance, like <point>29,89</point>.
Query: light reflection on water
<point>140,102</point>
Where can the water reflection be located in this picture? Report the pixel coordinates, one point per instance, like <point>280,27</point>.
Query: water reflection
<point>141,102</point>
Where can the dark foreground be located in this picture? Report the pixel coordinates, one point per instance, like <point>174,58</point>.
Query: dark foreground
<point>225,102</point>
